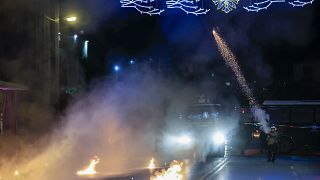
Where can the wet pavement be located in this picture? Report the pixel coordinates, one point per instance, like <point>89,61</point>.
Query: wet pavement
<point>243,167</point>
<point>257,168</point>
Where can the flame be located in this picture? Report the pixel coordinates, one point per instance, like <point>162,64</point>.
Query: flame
<point>151,164</point>
<point>256,134</point>
<point>174,172</point>
<point>16,173</point>
<point>91,168</point>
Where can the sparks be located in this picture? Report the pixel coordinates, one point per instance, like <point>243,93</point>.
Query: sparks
<point>90,170</point>
<point>232,62</point>
<point>151,165</point>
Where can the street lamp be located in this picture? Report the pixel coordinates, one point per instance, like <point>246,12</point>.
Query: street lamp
<point>75,37</point>
<point>116,68</point>
<point>71,19</point>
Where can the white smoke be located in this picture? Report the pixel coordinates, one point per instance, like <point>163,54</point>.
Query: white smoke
<point>120,122</point>
<point>262,117</point>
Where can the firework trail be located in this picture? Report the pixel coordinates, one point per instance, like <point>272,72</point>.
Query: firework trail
<point>232,62</point>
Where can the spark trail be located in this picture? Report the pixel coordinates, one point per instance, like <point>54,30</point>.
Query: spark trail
<point>232,62</point>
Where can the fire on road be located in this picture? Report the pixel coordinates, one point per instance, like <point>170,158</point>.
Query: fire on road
<point>234,167</point>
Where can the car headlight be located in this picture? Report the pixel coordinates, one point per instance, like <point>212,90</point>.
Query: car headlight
<point>218,138</point>
<point>184,140</point>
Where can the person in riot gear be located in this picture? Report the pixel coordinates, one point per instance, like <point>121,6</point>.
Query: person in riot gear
<point>272,140</point>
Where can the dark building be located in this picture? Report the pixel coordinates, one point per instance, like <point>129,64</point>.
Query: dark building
<point>9,105</point>
<point>303,82</point>
<point>307,72</point>
<point>37,50</point>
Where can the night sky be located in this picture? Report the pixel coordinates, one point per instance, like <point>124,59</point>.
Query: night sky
<point>267,44</point>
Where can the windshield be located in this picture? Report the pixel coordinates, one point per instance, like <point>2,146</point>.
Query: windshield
<point>203,113</point>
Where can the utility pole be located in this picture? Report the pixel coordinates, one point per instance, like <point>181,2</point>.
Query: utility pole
<point>57,53</point>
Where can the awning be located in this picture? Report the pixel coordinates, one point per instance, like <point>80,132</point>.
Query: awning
<point>8,86</point>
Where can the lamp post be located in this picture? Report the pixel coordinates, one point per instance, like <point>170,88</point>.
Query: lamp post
<point>61,24</point>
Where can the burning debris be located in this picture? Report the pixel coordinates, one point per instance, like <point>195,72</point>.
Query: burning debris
<point>174,172</point>
<point>90,170</point>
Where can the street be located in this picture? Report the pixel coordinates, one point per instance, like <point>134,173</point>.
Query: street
<point>246,168</point>
<point>159,89</point>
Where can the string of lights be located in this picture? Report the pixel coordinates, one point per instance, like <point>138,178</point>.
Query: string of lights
<point>143,6</point>
<point>257,6</point>
<point>187,6</point>
<point>226,5</point>
<point>196,7</point>
<point>301,3</point>
<point>263,5</point>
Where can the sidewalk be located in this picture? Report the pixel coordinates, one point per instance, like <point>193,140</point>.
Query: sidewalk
<point>296,156</point>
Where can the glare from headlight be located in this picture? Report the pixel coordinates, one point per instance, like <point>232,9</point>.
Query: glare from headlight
<point>185,140</point>
<point>218,138</point>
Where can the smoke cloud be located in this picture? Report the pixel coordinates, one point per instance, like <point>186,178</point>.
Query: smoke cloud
<point>120,121</point>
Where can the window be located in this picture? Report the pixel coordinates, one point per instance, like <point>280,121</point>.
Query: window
<point>203,113</point>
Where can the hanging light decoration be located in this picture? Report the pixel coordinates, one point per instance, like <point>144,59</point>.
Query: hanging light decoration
<point>143,6</point>
<point>301,3</point>
<point>190,7</point>
<point>226,5</point>
<point>196,7</point>
<point>265,4</point>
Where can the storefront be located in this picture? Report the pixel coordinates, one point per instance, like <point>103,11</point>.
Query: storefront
<point>9,106</point>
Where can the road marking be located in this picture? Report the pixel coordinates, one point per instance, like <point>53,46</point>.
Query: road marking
<point>216,169</point>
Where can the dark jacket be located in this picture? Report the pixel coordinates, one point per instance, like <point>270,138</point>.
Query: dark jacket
<point>273,138</point>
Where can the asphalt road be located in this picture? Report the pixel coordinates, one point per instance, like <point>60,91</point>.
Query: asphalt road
<point>257,168</point>
<point>246,168</point>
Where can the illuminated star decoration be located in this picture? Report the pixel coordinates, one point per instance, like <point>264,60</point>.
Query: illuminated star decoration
<point>143,6</point>
<point>188,6</point>
<point>265,4</point>
<point>226,5</point>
